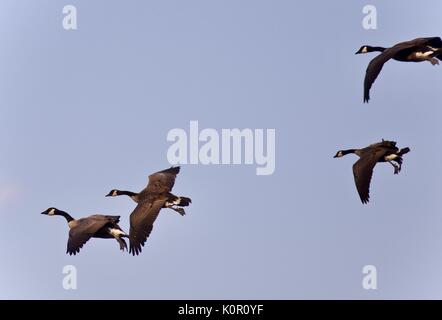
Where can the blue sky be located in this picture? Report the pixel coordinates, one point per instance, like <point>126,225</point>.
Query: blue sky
<point>89,110</point>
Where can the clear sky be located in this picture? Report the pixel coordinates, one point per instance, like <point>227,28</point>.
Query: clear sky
<point>85,111</point>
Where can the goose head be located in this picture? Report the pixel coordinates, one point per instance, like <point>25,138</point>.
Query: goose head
<point>367,49</point>
<point>51,211</point>
<point>339,154</point>
<point>364,49</point>
<point>113,193</point>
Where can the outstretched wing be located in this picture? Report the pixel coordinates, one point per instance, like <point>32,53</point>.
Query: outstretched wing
<point>385,144</point>
<point>375,67</point>
<point>85,229</point>
<point>363,171</point>
<point>141,222</point>
<point>434,42</point>
<point>162,181</point>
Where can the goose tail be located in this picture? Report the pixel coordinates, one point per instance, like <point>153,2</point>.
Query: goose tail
<point>404,151</point>
<point>184,202</point>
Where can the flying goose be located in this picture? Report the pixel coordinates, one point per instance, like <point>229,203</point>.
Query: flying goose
<point>151,200</point>
<point>95,226</point>
<point>417,50</point>
<point>385,151</point>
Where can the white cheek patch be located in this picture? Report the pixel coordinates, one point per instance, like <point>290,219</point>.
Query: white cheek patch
<point>51,212</point>
<point>114,194</point>
<point>364,50</point>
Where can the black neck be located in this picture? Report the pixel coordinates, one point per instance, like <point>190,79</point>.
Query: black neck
<point>127,193</point>
<point>345,152</point>
<point>381,49</point>
<point>66,215</point>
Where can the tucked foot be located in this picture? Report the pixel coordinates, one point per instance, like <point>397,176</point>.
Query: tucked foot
<point>179,210</point>
<point>397,168</point>
<point>434,61</point>
<point>122,243</point>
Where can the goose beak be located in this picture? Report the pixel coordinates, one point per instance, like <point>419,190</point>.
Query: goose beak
<point>335,156</point>
<point>43,212</point>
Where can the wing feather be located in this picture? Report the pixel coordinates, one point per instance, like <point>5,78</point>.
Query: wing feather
<point>162,181</point>
<point>363,171</point>
<point>85,229</point>
<point>141,222</point>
